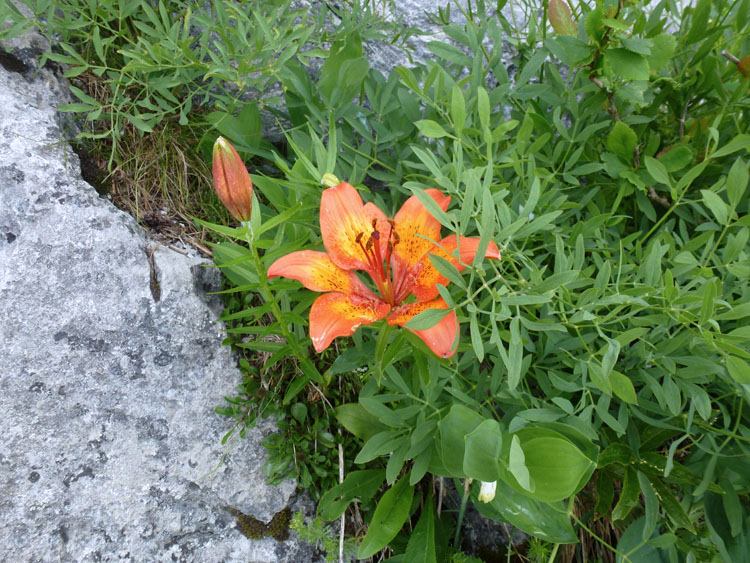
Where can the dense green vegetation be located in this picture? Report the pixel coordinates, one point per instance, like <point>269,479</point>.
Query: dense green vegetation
<point>603,369</point>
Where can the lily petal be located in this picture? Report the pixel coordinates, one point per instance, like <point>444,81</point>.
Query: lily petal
<point>442,338</point>
<point>317,272</point>
<point>344,219</point>
<point>339,314</point>
<point>416,229</point>
<point>425,275</point>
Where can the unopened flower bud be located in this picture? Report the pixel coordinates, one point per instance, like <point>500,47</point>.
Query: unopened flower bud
<point>329,180</point>
<point>232,181</point>
<point>487,492</point>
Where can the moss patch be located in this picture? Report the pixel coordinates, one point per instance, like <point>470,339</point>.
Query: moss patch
<point>277,528</point>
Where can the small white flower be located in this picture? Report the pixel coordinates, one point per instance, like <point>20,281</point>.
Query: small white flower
<point>487,492</point>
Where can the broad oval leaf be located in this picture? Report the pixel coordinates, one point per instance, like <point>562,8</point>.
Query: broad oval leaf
<point>430,129</point>
<point>482,454</point>
<point>557,467</point>
<point>454,428</point>
<point>546,521</point>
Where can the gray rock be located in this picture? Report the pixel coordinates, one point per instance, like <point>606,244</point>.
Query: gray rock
<point>421,14</point>
<point>110,447</point>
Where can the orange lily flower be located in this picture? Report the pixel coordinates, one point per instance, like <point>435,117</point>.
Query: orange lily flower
<point>395,254</point>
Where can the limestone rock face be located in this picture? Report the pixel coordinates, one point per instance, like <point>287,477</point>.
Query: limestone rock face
<point>111,366</point>
<point>421,14</point>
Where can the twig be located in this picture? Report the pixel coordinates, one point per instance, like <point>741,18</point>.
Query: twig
<point>730,56</point>
<point>596,81</point>
<point>441,492</point>
<point>202,248</point>
<point>660,199</point>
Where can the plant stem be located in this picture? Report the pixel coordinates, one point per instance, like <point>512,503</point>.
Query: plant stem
<point>461,512</point>
<point>267,295</point>
<point>265,290</point>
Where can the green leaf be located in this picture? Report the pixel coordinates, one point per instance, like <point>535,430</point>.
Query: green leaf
<point>299,411</point>
<point>531,67</point>
<point>611,352</point>
<point>344,69</point>
<point>139,123</point>
<point>555,464</point>
<point>421,547</point>
<point>358,421</point>
<point>483,107</point>
<point>560,18</point>
<point>431,129</point>
<point>628,495</point>
<point>738,311</point>
<point>458,109</point>
<point>737,181</point>
<point>244,130</point>
<point>627,64</point>
<point>546,521</point>
<point>670,504</point>
<point>358,485</point>
<point>732,506</point>
<point>677,158</point>
<point>605,492</point>
<point>738,369</point>
<point>717,206</point>
<point>622,141</point>
<point>425,199</point>
<point>389,518</point>
<point>594,24</point>
<point>447,270</point>
<point>740,142</point>
<point>637,45</point>
<point>632,545</point>
<point>515,354</point>
<point>652,506</point>
<point>614,23</point>
<point>380,444</point>
<point>482,454</point>
<point>657,170</point>
<point>517,465</point>
<point>77,108</point>
<point>427,319</point>
<point>460,422</point>
<point>623,387</point>
<point>699,19</point>
<point>615,453</point>
<point>450,53</point>
<point>476,337</point>
<point>235,262</point>
<point>662,51</point>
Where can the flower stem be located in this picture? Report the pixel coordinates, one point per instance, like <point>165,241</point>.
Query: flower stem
<point>265,292</point>
<point>461,511</point>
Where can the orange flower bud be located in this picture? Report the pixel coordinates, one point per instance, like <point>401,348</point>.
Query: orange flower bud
<point>231,180</point>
